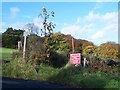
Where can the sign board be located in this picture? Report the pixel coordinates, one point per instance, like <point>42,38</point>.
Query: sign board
<point>75,58</point>
<point>26,33</point>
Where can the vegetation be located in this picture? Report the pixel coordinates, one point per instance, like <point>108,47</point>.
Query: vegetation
<point>37,50</point>
<point>11,37</point>
<point>108,50</point>
<point>48,25</point>
<point>68,75</point>
<point>6,53</point>
<point>90,50</point>
<point>58,42</point>
<point>47,60</point>
<point>47,57</point>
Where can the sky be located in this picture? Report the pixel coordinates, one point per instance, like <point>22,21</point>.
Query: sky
<point>93,21</point>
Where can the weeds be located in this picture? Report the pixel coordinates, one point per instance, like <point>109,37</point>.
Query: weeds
<point>68,75</point>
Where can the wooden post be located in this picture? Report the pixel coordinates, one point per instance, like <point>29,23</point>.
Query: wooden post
<point>19,45</point>
<point>24,48</point>
<point>73,50</point>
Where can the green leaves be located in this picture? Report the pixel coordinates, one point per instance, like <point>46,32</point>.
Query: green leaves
<point>11,37</point>
<point>58,42</point>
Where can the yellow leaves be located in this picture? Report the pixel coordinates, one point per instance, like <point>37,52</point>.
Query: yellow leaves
<point>109,50</point>
<point>89,50</point>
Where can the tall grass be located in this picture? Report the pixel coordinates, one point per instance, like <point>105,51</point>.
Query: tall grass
<point>68,75</point>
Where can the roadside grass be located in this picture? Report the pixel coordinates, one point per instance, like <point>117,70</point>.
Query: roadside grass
<point>5,56</point>
<point>6,53</point>
<point>69,76</point>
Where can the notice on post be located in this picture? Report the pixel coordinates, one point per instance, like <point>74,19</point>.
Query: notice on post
<point>75,58</point>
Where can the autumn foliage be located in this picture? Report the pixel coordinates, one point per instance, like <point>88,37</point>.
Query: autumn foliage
<point>108,50</point>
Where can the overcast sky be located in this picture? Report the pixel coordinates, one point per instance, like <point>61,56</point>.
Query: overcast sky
<point>93,21</point>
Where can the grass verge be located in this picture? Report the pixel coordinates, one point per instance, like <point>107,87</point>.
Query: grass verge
<point>70,76</point>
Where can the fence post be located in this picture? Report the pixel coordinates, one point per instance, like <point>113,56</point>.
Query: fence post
<point>19,45</point>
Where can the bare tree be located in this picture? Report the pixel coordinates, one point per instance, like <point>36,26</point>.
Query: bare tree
<point>31,28</point>
<point>48,26</point>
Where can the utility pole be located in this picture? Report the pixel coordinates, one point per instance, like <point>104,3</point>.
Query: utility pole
<point>73,49</point>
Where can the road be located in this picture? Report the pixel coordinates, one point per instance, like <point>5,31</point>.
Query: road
<point>19,83</point>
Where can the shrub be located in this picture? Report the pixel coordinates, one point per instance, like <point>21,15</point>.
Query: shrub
<point>112,84</point>
<point>17,55</point>
<point>58,59</point>
<point>37,49</point>
<point>19,69</point>
<point>108,50</point>
<point>90,50</point>
<point>97,66</point>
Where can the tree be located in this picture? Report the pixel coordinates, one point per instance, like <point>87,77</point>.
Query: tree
<point>90,50</point>
<point>11,37</point>
<point>108,50</point>
<point>31,28</point>
<point>78,43</point>
<point>47,24</point>
<point>36,49</point>
<point>57,42</point>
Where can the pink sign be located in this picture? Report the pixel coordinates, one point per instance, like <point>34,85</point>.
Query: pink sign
<point>75,58</point>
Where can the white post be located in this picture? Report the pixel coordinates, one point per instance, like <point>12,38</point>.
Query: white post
<point>24,48</point>
<point>84,61</point>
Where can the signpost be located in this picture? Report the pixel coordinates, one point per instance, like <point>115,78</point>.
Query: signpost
<point>75,58</point>
<point>25,34</point>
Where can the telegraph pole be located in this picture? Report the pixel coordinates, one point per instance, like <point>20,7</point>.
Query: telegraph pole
<point>73,49</point>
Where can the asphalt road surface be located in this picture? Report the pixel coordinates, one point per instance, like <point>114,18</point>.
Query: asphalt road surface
<point>19,83</point>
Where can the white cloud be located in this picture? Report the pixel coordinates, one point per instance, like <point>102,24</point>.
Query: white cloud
<point>2,24</point>
<point>98,35</point>
<point>94,26</point>
<point>71,29</point>
<point>17,25</point>
<point>38,22</point>
<point>14,11</point>
<point>92,16</point>
<point>110,17</point>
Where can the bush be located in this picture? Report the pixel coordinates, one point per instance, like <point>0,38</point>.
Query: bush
<point>19,69</point>
<point>17,55</point>
<point>112,84</point>
<point>109,50</point>
<point>37,49</point>
<point>58,59</point>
